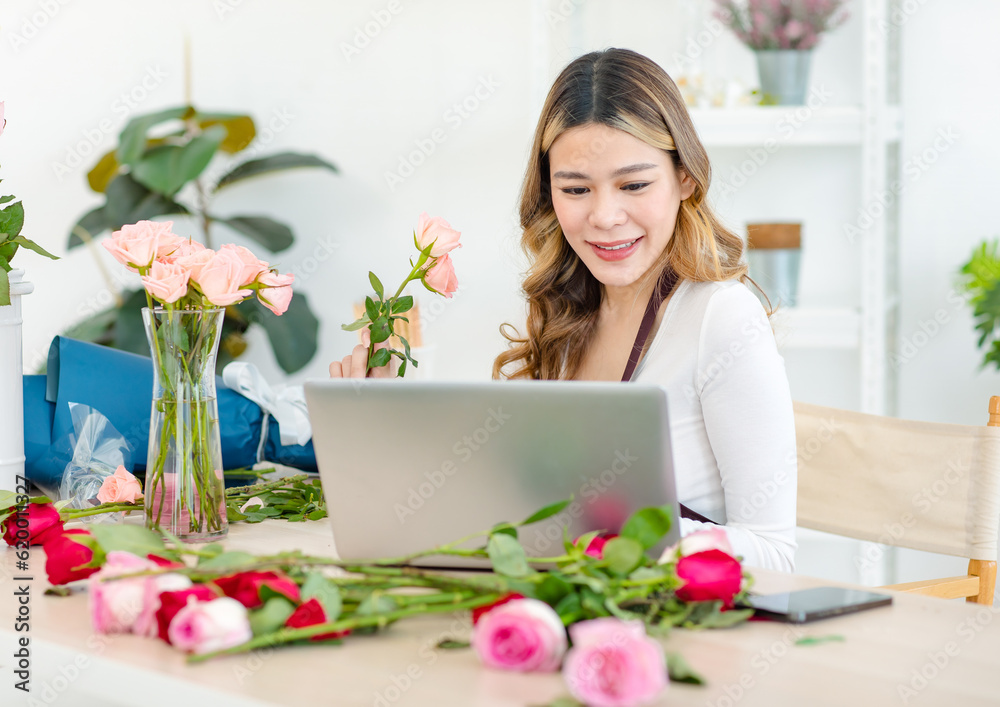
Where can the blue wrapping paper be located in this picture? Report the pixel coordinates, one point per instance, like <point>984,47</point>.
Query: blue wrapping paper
<point>119,385</point>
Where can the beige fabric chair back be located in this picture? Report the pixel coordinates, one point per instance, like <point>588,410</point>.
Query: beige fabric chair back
<point>926,486</point>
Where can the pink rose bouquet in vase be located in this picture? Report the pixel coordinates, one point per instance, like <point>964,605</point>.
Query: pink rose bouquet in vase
<point>434,239</point>
<point>190,285</point>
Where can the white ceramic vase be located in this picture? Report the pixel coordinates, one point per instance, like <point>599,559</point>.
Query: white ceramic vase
<point>11,390</point>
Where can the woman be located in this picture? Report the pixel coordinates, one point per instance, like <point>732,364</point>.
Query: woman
<point>622,241</point>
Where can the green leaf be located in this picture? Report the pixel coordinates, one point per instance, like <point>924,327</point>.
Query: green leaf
<point>8,499</point>
<point>569,609</point>
<point>233,559</point>
<point>31,245</point>
<point>4,288</point>
<point>377,285</point>
<point>90,225</point>
<point>273,235</point>
<point>240,130</point>
<point>273,163</point>
<point>381,330</point>
<point>507,556</point>
<point>724,619</point>
<point>403,304</point>
<point>59,591</point>
<point>5,199</point>
<point>103,172</point>
<point>127,201</point>
<point>376,603</point>
<point>546,512</point>
<point>136,539</point>
<point>270,617</point>
<point>167,168</point>
<point>505,528</point>
<point>371,309</point>
<point>648,525</point>
<point>552,588</point>
<point>355,325</point>
<point>816,640</point>
<point>11,221</point>
<point>379,358</point>
<point>293,336</point>
<point>623,555</point>
<point>132,140</point>
<point>326,592</point>
<point>679,670</point>
<point>450,644</point>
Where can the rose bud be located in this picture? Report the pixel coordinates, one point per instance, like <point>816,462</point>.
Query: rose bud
<point>36,526</point>
<point>63,555</point>
<point>525,635</point>
<point>245,587</point>
<point>311,613</point>
<point>709,576</point>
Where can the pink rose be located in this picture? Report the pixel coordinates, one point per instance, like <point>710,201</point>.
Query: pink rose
<point>613,663</point>
<point>129,605</point>
<point>136,245</point>
<point>711,575</point>
<point>276,292</point>
<point>525,635</point>
<point>38,524</point>
<point>185,248</point>
<point>252,267</point>
<point>441,277</point>
<point>207,626</point>
<point>439,232</point>
<point>193,259</point>
<point>120,487</point>
<point>167,282</point>
<point>595,548</point>
<point>221,278</point>
<point>714,538</point>
<point>173,602</point>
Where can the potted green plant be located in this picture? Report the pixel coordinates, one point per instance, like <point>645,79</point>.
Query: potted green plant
<point>12,288</point>
<point>160,167</point>
<point>980,282</point>
<point>782,34</point>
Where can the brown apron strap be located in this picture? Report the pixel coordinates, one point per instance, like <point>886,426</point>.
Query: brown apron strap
<point>663,289</point>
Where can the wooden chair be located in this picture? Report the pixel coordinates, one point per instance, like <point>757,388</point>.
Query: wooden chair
<point>924,486</point>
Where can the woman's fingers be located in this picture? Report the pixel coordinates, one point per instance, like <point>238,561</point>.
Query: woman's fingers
<point>355,365</point>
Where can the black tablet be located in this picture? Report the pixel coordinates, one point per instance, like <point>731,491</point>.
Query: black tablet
<point>811,604</point>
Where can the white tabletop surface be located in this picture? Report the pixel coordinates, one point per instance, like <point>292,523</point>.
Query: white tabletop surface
<point>919,651</point>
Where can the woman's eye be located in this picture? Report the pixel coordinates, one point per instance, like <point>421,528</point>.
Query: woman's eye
<point>575,191</point>
<point>635,186</point>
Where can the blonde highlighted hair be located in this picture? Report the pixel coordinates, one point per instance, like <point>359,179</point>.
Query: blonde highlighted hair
<point>627,91</point>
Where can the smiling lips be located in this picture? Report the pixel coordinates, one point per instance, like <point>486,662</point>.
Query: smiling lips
<point>618,250</point>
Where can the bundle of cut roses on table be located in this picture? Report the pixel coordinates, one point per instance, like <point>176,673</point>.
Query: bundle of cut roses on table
<point>594,612</point>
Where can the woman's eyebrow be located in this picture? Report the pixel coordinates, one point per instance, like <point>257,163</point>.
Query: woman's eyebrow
<point>621,171</point>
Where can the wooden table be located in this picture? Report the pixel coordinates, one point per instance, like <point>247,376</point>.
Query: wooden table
<point>920,651</point>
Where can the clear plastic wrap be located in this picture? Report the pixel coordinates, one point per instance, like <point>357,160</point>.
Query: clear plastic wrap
<point>97,449</point>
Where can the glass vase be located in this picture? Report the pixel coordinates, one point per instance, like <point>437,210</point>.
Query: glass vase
<point>185,492</point>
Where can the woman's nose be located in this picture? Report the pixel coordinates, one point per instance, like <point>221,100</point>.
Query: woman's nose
<point>607,211</point>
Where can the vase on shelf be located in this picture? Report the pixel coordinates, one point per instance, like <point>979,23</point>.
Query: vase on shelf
<point>784,75</point>
<point>773,254</point>
<point>184,490</point>
<point>11,382</point>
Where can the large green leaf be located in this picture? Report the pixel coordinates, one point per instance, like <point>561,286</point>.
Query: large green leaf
<point>167,168</point>
<point>11,221</point>
<point>4,288</point>
<point>31,245</point>
<point>273,163</point>
<point>293,335</point>
<point>507,555</point>
<point>326,593</point>
<point>90,225</point>
<point>136,539</point>
<point>103,172</point>
<point>647,525</point>
<point>270,617</point>
<point>129,202</point>
<point>271,234</point>
<point>240,130</point>
<point>132,140</point>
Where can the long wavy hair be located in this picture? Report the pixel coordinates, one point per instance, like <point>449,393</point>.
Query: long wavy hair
<point>627,91</point>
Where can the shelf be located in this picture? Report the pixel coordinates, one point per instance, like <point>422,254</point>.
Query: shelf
<point>817,328</point>
<point>768,126</point>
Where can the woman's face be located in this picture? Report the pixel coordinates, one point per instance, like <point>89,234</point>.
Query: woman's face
<point>616,199</point>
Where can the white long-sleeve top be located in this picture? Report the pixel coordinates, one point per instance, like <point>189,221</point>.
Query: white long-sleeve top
<point>731,421</point>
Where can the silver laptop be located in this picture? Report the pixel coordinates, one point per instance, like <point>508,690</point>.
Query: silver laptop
<point>408,466</point>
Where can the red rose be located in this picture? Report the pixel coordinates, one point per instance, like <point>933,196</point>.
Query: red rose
<point>172,602</point>
<point>595,548</point>
<point>708,576</point>
<point>312,613</point>
<point>63,554</point>
<point>245,587</point>
<point>480,610</point>
<point>37,526</point>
